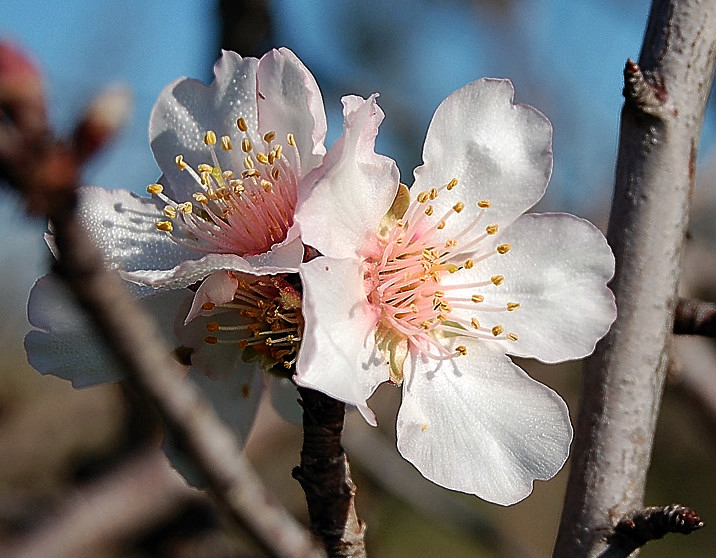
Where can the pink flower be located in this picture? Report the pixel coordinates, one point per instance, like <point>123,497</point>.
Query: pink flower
<point>434,293</point>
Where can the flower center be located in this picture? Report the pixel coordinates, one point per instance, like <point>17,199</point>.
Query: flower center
<point>272,323</point>
<point>241,212</point>
<point>406,281</point>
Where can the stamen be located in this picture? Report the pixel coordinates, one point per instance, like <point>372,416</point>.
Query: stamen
<point>503,248</point>
<point>155,189</point>
<point>512,306</point>
<point>497,330</point>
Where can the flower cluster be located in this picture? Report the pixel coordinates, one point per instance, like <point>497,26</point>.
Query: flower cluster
<point>430,288</point>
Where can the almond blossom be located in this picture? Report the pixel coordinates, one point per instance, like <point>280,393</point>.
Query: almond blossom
<point>220,220</point>
<point>434,287</point>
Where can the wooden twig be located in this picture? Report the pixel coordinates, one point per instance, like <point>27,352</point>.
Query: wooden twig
<point>324,475</point>
<point>695,317</point>
<point>665,102</point>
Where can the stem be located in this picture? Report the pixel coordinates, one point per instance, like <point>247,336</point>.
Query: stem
<point>661,122</point>
<point>695,317</point>
<point>324,475</point>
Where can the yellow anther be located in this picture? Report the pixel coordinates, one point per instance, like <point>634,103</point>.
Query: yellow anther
<point>227,174</point>
<point>185,207</point>
<point>441,225</point>
<point>203,167</point>
<point>278,150</point>
<point>461,349</point>
<point>497,330</point>
<point>262,158</point>
<point>165,226</point>
<point>179,160</point>
<point>423,197</point>
<point>266,185</point>
<point>208,305</point>
<point>241,123</point>
<point>439,294</point>
<point>250,172</point>
<point>433,193</point>
<point>170,212</point>
<point>484,204</point>
<point>155,189</point>
<point>269,136</point>
<point>469,264</point>
<point>211,340</point>
<point>205,178</point>
<point>226,144</point>
<point>458,207</point>
<point>452,184</point>
<point>474,323</point>
<point>246,145</point>
<point>212,326</point>
<point>200,198</point>
<point>450,243</point>
<point>414,308</point>
<point>477,298</point>
<point>210,138</point>
<point>512,306</point>
<point>452,268</point>
<point>503,248</point>
<point>275,173</point>
<point>491,229</point>
<point>512,336</point>
<point>424,427</point>
<point>429,210</point>
<point>291,140</point>
<point>497,279</point>
<point>442,317</point>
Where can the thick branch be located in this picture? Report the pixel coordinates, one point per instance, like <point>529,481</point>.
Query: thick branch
<point>666,96</point>
<point>325,477</point>
<point>695,317</point>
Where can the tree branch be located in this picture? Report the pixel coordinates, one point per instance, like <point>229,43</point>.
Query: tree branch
<point>324,475</point>
<point>666,96</point>
<point>695,317</point>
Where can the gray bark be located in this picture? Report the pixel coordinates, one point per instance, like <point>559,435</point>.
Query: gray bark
<point>666,96</point>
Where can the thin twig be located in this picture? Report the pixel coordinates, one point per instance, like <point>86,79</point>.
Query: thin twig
<point>695,317</point>
<point>324,475</point>
<point>666,97</point>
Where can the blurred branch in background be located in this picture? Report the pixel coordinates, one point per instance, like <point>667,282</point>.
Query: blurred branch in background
<point>47,172</point>
<point>666,96</point>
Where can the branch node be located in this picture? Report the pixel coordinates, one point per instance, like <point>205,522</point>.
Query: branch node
<point>641,526</point>
<point>644,91</point>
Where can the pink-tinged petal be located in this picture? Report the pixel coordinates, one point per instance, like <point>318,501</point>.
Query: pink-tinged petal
<point>289,102</point>
<point>123,226</point>
<point>187,108</point>
<point>557,269</point>
<point>189,272</point>
<point>67,344</point>
<point>338,355</point>
<point>479,424</point>
<point>498,151</point>
<point>217,288</point>
<point>353,189</point>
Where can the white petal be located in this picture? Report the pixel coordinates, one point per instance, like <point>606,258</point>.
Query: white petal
<point>479,424</point>
<point>68,345</point>
<point>497,150</point>
<point>353,189</point>
<point>289,101</point>
<point>189,272</point>
<point>186,109</point>
<point>338,354</point>
<point>218,288</point>
<point>123,225</point>
<point>557,270</point>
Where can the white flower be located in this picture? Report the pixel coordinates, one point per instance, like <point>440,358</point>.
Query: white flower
<point>435,293</point>
<point>233,156</point>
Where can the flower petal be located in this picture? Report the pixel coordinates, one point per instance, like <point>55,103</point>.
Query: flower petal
<point>289,101</point>
<point>217,288</point>
<point>187,108</point>
<point>497,150</point>
<point>189,272</point>
<point>479,424</point>
<point>353,189</point>
<point>556,269</point>
<point>68,345</point>
<point>123,225</point>
<point>338,355</point>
